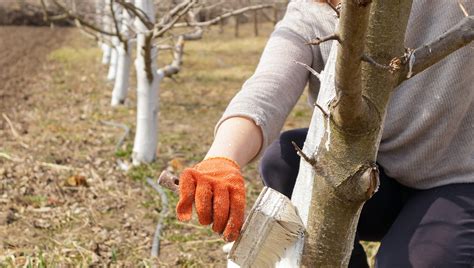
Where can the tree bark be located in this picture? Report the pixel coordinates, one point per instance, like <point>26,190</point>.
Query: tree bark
<point>345,132</point>
<point>113,59</point>
<point>119,93</point>
<point>148,81</point>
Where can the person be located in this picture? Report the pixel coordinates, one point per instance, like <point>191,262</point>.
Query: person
<point>423,213</point>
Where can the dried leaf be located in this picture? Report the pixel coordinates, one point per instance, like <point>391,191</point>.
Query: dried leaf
<point>77,180</point>
<point>176,164</point>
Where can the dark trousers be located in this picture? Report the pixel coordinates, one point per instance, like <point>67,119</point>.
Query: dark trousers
<point>416,228</point>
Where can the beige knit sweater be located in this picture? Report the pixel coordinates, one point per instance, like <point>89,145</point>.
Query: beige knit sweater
<point>428,136</point>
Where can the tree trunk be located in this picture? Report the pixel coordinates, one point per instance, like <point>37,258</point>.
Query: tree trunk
<point>106,53</point>
<point>255,22</point>
<point>106,22</point>
<point>340,174</point>
<point>236,28</point>
<point>119,93</point>
<point>113,59</point>
<point>148,81</point>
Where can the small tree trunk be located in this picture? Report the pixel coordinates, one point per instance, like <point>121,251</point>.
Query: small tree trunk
<point>119,93</point>
<point>113,59</point>
<point>344,134</point>
<point>221,27</point>
<point>106,48</point>
<point>148,81</point>
<point>275,14</point>
<point>236,27</point>
<point>255,22</point>
<point>106,53</point>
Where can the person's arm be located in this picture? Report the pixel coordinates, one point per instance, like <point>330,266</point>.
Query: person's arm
<point>237,138</point>
<point>252,120</point>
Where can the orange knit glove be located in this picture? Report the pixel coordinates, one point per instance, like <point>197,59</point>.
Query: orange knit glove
<point>217,187</point>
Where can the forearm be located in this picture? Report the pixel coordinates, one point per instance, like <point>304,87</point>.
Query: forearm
<point>237,138</point>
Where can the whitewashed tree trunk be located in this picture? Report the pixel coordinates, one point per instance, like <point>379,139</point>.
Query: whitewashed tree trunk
<point>301,196</point>
<point>119,93</point>
<point>113,59</point>
<point>148,82</point>
<point>106,53</point>
<point>106,21</point>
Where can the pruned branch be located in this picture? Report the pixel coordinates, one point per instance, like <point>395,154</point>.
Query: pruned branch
<point>319,40</point>
<point>429,54</point>
<point>351,111</point>
<point>175,66</point>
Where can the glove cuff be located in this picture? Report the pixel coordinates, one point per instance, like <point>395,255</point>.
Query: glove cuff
<point>217,160</point>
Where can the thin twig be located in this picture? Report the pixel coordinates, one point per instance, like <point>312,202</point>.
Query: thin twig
<point>326,114</point>
<point>463,8</point>
<point>311,70</point>
<point>82,21</point>
<point>15,134</point>
<point>155,248</point>
<point>160,30</point>
<point>335,8</point>
<point>126,131</point>
<point>319,40</point>
<point>370,60</point>
<point>300,152</point>
<point>223,16</point>
<point>55,166</point>
<point>9,157</point>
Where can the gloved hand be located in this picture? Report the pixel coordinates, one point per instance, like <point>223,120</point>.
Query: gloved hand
<point>217,187</point>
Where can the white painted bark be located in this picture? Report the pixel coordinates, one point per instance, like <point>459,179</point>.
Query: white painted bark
<point>106,21</point>
<point>301,197</point>
<point>119,93</point>
<point>113,59</point>
<point>148,81</point>
<point>106,53</point>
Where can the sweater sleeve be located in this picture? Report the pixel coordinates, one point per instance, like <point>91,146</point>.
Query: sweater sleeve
<point>268,96</point>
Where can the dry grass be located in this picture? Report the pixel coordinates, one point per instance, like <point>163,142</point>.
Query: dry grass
<point>46,221</point>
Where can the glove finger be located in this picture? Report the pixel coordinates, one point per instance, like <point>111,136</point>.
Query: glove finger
<point>187,189</point>
<point>236,215</point>
<point>204,202</point>
<point>221,208</point>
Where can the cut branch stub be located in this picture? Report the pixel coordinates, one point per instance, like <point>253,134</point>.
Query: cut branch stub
<point>169,181</point>
<point>429,54</point>
<point>361,185</point>
<point>318,40</point>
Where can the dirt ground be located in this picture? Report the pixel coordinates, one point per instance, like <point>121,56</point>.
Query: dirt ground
<point>64,201</point>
